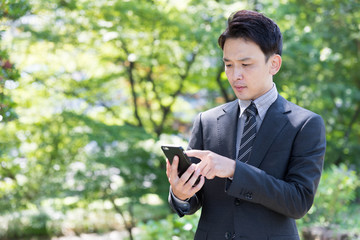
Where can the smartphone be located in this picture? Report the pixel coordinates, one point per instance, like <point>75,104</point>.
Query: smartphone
<point>172,151</point>
<point>184,161</point>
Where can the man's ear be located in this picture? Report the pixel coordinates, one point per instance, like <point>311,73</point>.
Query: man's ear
<point>275,64</point>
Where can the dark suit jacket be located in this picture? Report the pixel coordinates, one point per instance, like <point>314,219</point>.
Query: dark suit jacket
<point>274,188</point>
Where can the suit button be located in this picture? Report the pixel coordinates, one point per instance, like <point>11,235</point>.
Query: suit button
<point>237,202</point>
<point>228,235</point>
<point>248,195</point>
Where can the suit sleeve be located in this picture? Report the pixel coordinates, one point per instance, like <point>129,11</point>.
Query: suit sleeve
<point>292,195</point>
<point>195,202</point>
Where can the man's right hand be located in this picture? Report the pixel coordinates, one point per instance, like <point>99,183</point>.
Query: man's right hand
<point>183,187</point>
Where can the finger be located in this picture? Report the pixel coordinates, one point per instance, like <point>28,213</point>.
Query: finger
<point>195,153</point>
<point>174,168</point>
<point>186,175</point>
<point>206,172</point>
<point>168,169</point>
<point>167,164</point>
<point>198,186</point>
<point>194,177</point>
<point>203,167</point>
<point>210,175</point>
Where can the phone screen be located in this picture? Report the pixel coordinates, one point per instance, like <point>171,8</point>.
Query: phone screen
<point>184,162</point>
<point>172,151</point>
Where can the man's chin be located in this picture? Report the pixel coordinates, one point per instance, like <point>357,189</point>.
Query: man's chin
<point>243,97</point>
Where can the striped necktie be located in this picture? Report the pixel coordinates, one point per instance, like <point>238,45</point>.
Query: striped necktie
<point>249,133</point>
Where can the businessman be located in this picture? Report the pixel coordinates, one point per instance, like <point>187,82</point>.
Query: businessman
<point>260,157</point>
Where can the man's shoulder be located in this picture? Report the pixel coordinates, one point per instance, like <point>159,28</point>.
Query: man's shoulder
<point>221,109</point>
<point>294,109</point>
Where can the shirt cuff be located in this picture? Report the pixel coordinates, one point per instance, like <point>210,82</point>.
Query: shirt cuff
<point>184,205</point>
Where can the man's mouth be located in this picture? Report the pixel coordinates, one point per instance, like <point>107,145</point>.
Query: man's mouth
<point>239,88</point>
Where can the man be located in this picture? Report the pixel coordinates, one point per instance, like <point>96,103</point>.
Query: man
<point>260,157</point>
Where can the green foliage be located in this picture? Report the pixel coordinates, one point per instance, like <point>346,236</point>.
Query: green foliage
<point>321,48</point>
<point>8,81</point>
<point>335,204</point>
<point>9,74</point>
<point>25,224</point>
<point>171,227</point>
<point>13,9</point>
<point>93,87</point>
<point>49,222</point>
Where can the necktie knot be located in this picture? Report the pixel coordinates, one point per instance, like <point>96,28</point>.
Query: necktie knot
<point>251,110</point>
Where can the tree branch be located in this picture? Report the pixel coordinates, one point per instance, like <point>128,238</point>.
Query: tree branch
<point>130,67</point>
<point>128,225</point>
<point>148,105</point>
<point>166,109</point>
<point>353,120</point>
<point>218,80</point>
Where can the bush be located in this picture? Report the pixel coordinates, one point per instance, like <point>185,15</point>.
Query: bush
<point>35,223</point>
<point>172,227</point>
<point>25,224</point>
<point>334,206</point>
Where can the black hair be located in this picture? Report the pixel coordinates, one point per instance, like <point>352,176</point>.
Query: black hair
<point>256,27</point>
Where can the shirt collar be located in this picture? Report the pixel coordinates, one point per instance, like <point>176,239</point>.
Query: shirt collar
<point>262,103</point>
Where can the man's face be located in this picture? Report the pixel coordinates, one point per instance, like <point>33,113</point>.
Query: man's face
<point>245,67</point>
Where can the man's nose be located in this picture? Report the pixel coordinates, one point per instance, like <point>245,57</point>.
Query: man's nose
<point>238,73</point>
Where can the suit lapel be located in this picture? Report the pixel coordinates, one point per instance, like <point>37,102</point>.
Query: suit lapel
<point>274,121</point>
<point>227,129</point>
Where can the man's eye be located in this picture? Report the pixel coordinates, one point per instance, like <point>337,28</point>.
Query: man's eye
<point>245,65</point>
<point>228,65</point>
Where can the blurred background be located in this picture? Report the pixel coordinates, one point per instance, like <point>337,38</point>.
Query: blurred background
<point>89,90</point>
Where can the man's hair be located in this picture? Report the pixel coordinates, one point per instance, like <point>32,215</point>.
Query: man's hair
<point>254,26</point>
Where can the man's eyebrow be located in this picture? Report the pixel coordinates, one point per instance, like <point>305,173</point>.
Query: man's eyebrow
<point>244,59</point>
<point>241,59</point>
